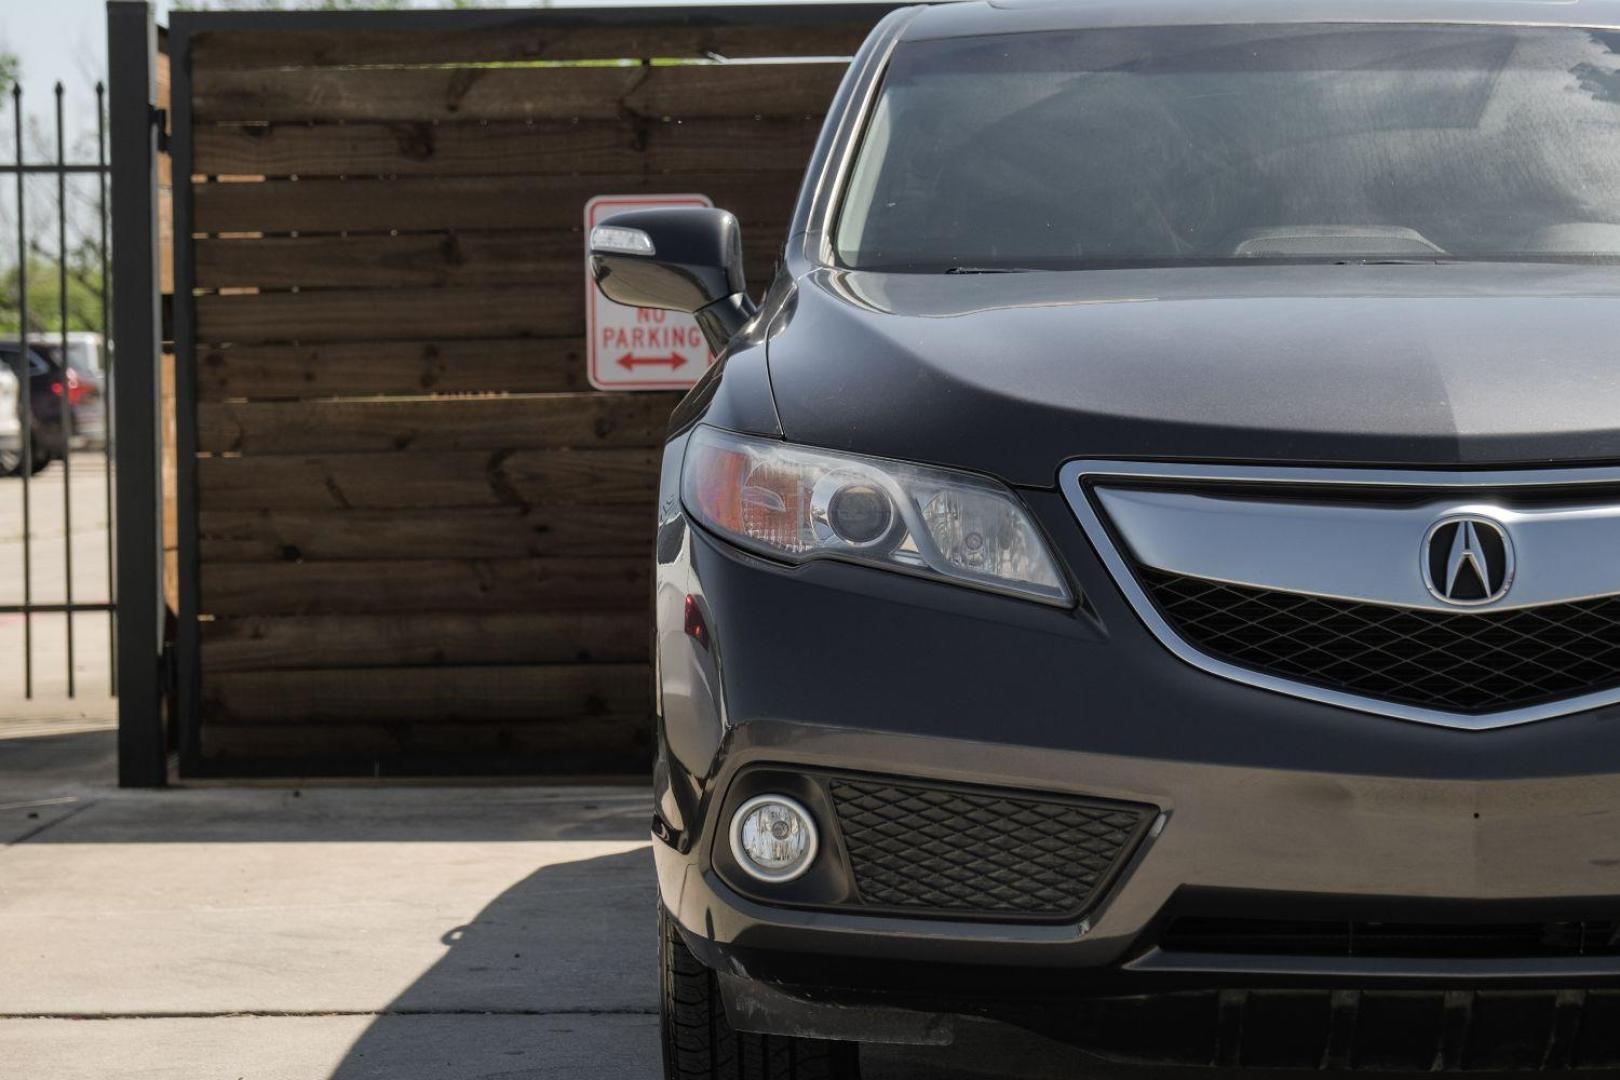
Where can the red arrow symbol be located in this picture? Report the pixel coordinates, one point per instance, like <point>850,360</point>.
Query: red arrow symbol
<point>630,361</point>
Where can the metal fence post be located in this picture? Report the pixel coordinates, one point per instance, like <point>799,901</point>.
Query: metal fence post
<point>137,326</point>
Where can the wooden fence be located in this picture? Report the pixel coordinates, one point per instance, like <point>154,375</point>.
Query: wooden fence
<point>418,540</point>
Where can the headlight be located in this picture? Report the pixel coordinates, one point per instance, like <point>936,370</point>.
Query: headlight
<point>793,503</point>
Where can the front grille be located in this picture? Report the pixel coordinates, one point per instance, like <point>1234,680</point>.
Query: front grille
<point>1472,662</point>
<point>1328,937</point>
<point>970,851</point>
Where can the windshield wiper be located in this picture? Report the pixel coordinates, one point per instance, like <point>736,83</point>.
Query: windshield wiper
<point>992,270</point>
<point>1438,261</point>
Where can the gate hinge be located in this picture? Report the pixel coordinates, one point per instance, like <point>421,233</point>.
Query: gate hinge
<point>159,118</point>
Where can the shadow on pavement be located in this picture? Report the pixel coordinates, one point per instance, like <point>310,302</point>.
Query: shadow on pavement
<point>50,778</point>
<point>87,758</point>
<point>555,977</point>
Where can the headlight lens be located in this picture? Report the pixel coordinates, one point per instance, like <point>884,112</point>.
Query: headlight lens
<point>794,503</point>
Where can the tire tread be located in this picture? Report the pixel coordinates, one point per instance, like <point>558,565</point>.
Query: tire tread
<point>699,1044</point>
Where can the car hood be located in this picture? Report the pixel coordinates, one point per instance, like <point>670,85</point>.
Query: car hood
<point>1012,374</point>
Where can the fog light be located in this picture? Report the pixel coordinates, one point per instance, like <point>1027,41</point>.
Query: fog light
<point>773,838</point>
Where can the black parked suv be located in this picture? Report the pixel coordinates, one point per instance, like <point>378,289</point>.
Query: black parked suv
<point>44,397</point>
<point>1147,573</point>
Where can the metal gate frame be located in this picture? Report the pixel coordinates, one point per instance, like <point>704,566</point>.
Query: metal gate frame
<point>32,342</point>
<point>136,123</point>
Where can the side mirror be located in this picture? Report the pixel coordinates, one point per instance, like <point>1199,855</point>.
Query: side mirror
<point>686,259</point>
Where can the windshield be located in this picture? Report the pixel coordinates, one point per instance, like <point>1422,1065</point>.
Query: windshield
<point>1220,144</point>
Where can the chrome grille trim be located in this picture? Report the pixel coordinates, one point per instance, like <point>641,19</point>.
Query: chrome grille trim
<point>1074,480</point>
<point>1359,553</point>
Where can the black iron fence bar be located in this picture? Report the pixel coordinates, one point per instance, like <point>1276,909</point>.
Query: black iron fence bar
<point>71,169</point>
<point>67,382</point>
<point>80,608</point>
<point>109,431</point>
<point>25,383</point>
<point>61,169</point>
<point>132,78</point>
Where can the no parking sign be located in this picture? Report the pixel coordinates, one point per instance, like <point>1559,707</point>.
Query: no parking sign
<point>635,348</point>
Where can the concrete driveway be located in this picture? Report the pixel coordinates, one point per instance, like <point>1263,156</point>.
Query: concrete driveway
<point>329,933</point>
<point>48,558</point>
<point>318,933</point>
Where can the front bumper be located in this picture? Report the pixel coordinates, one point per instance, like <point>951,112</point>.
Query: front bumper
<point>1389,848</point>
<point>1286,803</point>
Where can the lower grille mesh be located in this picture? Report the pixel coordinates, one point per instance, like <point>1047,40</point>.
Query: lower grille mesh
<point>1471,662</point>
<point>962,851</point>
<point>1304,937</point>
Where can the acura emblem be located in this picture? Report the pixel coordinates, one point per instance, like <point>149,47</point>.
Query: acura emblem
<point>1468,560</point>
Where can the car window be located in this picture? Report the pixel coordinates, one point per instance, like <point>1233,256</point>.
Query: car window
<point>1232,143</point>
<point>37,365</point>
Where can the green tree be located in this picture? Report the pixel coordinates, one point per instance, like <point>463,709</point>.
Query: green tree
<point>84,298</point>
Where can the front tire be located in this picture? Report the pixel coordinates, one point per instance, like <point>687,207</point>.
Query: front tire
<point>700,1045</point>
<point>11,462</point>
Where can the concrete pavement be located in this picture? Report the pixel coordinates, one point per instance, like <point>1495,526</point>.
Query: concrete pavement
<point>329,933</point>
<point>48,559</point>
<point>319,933</point>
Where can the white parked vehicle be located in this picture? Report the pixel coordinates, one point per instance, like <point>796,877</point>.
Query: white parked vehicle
<point>11,434</point>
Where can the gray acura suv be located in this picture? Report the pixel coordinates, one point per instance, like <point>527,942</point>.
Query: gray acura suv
<point>1146,574</point>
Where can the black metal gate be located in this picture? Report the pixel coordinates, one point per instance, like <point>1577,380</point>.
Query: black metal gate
<point>78,430</point>
<point>60,376</point>
<point>134,125</point>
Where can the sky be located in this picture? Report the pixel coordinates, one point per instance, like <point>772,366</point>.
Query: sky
<point>56,40</point>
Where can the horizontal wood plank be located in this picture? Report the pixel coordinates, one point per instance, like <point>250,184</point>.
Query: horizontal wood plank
<point>803,32</point>
<point>426,148</point>
<point>362,368</point>
<point>269,643</point>
<point>465,533</point>
<point>438,204</point>
<point>532,258</point>
<point>571,747</point>
<point>501,423</point>
<point>558,692</point>
<point>494,311</point>
<point>682,91</point>
<point>424,585</point>
<point>440,480</point>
